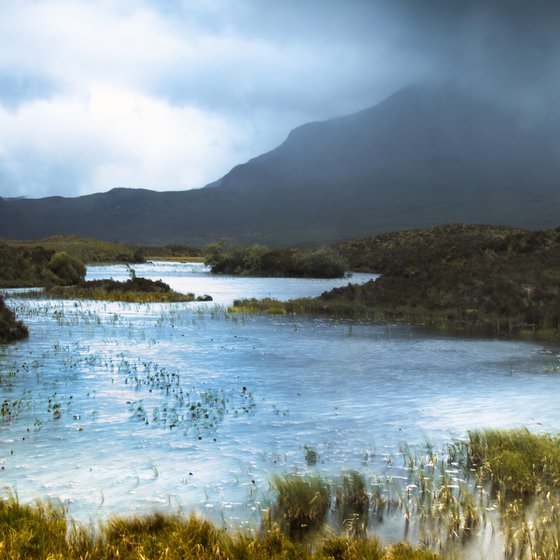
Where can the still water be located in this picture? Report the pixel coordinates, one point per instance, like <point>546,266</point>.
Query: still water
<point>125,408</point>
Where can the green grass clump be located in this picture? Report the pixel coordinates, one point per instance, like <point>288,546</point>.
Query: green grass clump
<point>516,462</point>
<point>352,502</point>
<point>302,504</point>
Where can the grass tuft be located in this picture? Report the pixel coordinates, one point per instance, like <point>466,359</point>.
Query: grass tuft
<point>352,503</point>
<point>516,462</point>
<point>302,504</point>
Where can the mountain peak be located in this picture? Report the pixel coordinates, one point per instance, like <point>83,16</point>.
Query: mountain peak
<point>427,155</point>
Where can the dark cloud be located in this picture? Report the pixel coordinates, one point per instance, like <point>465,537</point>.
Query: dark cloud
<point>351,53</point>
<point>246,70</point>
<point>507,48</point>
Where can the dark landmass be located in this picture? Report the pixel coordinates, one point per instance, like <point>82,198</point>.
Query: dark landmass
<point>36,266</point>
<point>423,157</point>
<point>261,261</point>
<point>30,267</point>
<point>10,328</point>
<point>137,290</point>
<point>492,280</point>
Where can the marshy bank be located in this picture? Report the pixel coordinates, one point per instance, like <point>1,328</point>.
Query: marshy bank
<point>42,532</point>
<point>473,500</point>
<point>461,278</point>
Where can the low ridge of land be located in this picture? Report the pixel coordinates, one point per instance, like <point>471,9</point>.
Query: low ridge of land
<point>495,280</point>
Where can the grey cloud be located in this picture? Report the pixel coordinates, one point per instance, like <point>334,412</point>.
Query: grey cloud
<point>340,57</point>
<point>32,175</point>
<point>349,54</point>
<point>17,88</point>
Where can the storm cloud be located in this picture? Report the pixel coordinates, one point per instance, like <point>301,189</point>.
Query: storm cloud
<point>171,95</point>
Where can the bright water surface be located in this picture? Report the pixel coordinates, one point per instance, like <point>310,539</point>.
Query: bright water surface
<point>100,398</point>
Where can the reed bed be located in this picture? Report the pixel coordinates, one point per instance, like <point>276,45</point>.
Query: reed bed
<point>41,532</point>
<point>447,506</point>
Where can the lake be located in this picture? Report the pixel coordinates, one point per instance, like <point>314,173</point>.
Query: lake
<point>126,408</point>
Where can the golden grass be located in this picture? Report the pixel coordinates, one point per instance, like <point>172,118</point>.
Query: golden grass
<point>41,532</point>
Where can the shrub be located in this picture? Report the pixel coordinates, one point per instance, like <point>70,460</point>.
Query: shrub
<point>67,270</point>
<point>10,328</point>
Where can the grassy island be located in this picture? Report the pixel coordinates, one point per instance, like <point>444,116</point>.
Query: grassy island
<point>484,279</point>
<point>134,290</point>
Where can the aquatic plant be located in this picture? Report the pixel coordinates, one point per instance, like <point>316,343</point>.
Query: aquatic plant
<point>352,503</point>
<point>516,462</point>
<point>311,455</point>
<point>301,505</point>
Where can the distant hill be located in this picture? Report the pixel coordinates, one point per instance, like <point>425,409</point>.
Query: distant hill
<point>424,156</point>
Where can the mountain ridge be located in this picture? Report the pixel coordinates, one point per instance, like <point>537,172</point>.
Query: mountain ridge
<point>424,156</point>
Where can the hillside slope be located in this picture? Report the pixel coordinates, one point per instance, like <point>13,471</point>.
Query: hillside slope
<point>425,156</point>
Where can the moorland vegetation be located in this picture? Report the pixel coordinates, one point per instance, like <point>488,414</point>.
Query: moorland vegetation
<point>10,328</point>
<point>33,266</point>
<point>37,266</point>
<point>485,279</point>
<point>173,252</point>
<point>258,260</point>
<point>85,250</point>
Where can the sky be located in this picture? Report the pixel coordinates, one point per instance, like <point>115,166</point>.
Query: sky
<point>171,94</point>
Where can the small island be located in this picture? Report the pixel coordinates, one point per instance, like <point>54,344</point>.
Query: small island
<point>134,290</point>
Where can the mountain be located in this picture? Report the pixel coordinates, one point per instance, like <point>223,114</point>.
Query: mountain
<point>424,156</point>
